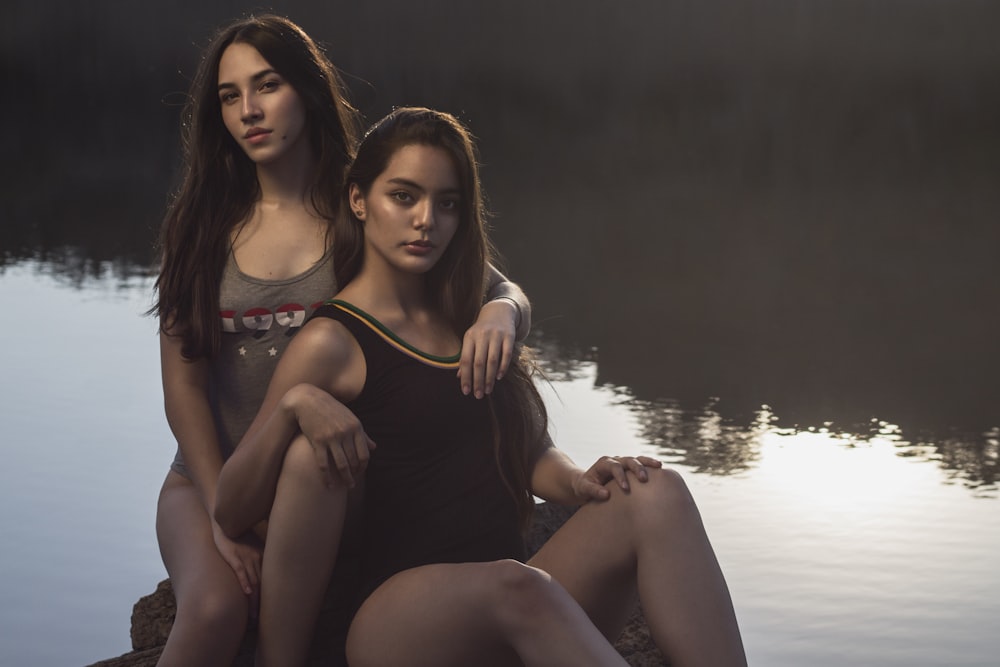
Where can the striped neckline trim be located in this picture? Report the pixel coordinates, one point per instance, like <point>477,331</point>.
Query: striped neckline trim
<point>386,334</point>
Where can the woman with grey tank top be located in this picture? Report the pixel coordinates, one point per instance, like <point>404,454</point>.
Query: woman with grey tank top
<point>246,255</point>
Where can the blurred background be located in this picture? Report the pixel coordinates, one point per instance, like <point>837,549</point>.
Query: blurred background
<point>786,202</point>
<point>732,218</point>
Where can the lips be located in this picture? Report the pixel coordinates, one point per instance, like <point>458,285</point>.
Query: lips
<point>419,247</point>
<point>255,132</point>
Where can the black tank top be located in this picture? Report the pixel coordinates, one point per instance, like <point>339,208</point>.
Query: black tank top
<point>433,489</point>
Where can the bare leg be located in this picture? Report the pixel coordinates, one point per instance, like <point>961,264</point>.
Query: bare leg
<point>212,609</point>
<point>303,536</point>
<point>649,541</point>
<point>500,613</point>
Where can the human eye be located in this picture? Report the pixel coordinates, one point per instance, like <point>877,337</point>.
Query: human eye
<point>269,85</point>
<point>402,196</point>
<point>450,204</point>
<point>228,96</point>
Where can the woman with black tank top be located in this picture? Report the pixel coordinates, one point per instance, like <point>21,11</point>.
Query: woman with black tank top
<point>451,482</point>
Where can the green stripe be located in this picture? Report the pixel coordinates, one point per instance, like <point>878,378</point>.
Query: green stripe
<point>389,334</point>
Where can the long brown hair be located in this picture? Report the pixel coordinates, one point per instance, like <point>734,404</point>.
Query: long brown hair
<point>457,282</point>
<point>219,185</point>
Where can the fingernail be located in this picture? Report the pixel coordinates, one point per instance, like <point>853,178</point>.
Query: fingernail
<point>465,389</point>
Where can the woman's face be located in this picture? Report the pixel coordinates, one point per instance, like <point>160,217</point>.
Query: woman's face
<point>412,209</point>
<point>261,110</point>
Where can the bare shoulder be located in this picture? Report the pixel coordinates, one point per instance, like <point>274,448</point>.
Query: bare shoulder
<point>325,354</point>
<point>324,340</point>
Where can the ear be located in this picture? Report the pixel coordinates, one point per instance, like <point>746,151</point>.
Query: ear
<point>356,198</point>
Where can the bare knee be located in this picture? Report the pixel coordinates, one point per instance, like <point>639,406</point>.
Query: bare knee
<point>301,461</point>
<point>214,611</point>
<point>663,499</point>
<point>523,597</point>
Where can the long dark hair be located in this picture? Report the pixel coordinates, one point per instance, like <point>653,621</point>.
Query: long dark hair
<point>457,282</point>
<point>219,185</point>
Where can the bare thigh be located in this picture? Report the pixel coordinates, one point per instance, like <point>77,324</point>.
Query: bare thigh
<point>193,562</point>
<point>435,615</point>
<point>593,555</point>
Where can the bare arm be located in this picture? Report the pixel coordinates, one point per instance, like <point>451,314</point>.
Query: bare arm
<point>557,479</point>
<point>321,365</point>
<point>185,399</point>
<point>488,345</point>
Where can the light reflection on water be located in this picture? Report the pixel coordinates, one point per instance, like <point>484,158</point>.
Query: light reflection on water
<point>842,544</point>
<point>853,546</point>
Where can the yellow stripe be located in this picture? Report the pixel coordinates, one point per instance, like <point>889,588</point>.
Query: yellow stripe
<point>423,357</point>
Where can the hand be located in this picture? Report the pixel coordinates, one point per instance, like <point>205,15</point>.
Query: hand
<point>335,434</point>
<point>590,484</point>
<point>244,556</point>
<point>487,348</point>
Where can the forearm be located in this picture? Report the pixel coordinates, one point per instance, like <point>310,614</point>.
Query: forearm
<point>247,481</point>
<point>554,478</point>
<point>500,288</point>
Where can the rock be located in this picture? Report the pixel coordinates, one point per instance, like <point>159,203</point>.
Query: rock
<point>153,614</point>
<point>152,617</point>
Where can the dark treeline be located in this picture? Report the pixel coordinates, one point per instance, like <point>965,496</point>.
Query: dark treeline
<point>777,201</point>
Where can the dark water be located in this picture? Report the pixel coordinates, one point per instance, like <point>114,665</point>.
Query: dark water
<point>741,226</point>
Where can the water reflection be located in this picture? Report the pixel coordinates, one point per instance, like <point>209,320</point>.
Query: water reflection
<point>822,525</point>
<point>706,440</point>
<point>972,463</point>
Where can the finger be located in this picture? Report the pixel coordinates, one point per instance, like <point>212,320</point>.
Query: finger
<point>617,471</point>
<point>350,451</point>
<point>323,463</point>
<point>465,364</point>
<point>506,355</point>
<point>342,465</point>
<point>650,462</point>
<point>637,468</point>
<point>479,366</point>
<point>241,575</point>
<point>253,570</point>
<point>362,452</point>
<point>493,359</point>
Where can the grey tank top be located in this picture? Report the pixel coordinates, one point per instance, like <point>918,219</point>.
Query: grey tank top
<point>259,318</point>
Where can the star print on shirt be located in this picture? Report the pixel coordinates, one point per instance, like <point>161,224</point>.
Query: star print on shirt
<point>243,351</point>
<point>273,351</point>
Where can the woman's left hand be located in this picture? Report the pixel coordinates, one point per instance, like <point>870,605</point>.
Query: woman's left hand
<point>487,348</point>
<point>590,484</point>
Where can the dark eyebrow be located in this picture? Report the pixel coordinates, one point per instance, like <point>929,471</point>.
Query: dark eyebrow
<point>255,78</point>
<point>407,182</point>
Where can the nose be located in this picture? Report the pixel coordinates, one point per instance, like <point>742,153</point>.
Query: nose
<point>424,215</point>
<point>250,110</point>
